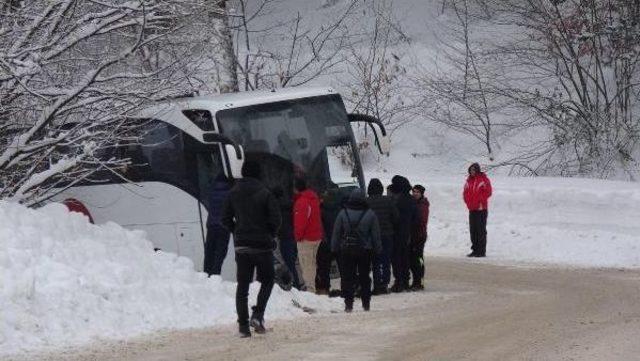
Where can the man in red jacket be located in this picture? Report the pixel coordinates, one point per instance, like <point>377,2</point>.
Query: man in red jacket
<point>307,230</point>
<point>476,195</point>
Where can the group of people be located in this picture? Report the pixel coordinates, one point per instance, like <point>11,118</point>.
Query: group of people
<point>366,234</point>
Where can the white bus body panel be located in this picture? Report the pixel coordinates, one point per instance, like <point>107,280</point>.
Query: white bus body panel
<point>167,214</point>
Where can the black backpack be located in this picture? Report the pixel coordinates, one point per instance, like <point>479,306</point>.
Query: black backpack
<point>352,243</point>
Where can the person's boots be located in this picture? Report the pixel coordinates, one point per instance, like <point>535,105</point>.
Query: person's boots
<point>244,331</point>
<point>397,288</point>
<point>348,306</point>
<point>366,305</point>
<point>417,287</point>
<point>257,321</point>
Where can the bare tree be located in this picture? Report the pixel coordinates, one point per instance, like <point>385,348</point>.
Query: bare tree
<point>378,83</point>
<point>289,52</point>
<point>70,76</point>
<point>460,96</point>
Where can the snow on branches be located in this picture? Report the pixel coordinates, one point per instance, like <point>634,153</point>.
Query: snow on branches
<point>71,73</point>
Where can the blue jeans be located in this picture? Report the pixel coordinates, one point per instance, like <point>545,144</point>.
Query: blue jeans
<point>382,264</point>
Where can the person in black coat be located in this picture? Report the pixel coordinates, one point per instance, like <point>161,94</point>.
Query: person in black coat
<point>388,217</point>
<point>217,243</point>
<point>331,202</point>
<point>408,217</point>
<point>252,214</point>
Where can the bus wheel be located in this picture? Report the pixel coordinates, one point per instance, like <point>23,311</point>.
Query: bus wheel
<point>74,205</point>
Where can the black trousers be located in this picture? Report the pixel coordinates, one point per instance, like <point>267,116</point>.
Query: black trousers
<point>246,264</point>
<point>323,270</point>
<point>416,261</point>
<point>478,231</point>
<point>356,268</point>
<point>400,263</point>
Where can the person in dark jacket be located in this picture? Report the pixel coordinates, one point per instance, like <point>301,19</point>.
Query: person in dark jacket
<point>356,219</point>
<point>330,205</point>
<point>418,238</point>
<point>385,209</point>
<point>287,245</point>
<point>217,243</point>
<point>407,210</point>
<point>476,193</point>
<point>251,213</point>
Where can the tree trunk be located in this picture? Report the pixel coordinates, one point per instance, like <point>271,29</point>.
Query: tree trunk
<point>226,62</point>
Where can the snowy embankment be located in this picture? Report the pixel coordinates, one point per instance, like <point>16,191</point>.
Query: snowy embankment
<point>66,282</point>
<point>560,221</point>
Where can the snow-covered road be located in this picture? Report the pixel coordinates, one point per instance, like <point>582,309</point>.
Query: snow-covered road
<point>470,311</point>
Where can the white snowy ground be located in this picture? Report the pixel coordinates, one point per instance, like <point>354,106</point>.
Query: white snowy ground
<point>66,282</point>
<point>560,221</point>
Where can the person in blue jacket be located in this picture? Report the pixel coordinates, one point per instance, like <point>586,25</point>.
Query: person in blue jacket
<point>217,242</point>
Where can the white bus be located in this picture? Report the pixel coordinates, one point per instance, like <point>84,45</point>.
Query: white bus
<point>186,143</point>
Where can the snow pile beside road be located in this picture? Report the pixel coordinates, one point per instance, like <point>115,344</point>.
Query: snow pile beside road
<point>65,281</point>
<point>565,221</point>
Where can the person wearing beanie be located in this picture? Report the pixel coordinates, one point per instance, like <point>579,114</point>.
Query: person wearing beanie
<point>476,193</point>
<point>385,209</point>
<point>418,238</point>
<point>252,215</point>
<point>307,230</point>
<point>356,238</point>
<point>407,211</point>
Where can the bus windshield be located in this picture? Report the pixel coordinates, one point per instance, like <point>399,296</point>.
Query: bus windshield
<point>308,137</point>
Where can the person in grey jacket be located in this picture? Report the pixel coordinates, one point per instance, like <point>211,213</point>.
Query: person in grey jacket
<point>356,224</point>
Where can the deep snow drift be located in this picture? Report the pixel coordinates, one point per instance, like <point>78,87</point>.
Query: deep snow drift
<point>65,281</point>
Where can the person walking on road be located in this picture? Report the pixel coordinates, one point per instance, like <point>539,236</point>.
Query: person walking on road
<point>385,209</point>
<point>356,238</point>
<point>418,238</point>
<point>477,191</point>
<point>252,214</point>
<point>307,229</point>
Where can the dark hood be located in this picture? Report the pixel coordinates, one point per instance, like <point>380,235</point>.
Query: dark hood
<point>357,200</point>
<point>400,185</point>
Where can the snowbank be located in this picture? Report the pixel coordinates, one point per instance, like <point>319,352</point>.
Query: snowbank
<point>561,221</point>
<point>66,282</point>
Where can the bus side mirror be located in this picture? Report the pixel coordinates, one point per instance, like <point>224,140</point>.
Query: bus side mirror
<point>382,138</point>
<point>235,154</point>
<point>379,131</point>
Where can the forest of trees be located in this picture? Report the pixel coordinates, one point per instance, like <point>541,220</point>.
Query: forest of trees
<point>72,71</point>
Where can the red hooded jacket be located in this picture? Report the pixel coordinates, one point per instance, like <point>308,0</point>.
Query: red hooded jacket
<point>307,222</point>
<point>476,192</point>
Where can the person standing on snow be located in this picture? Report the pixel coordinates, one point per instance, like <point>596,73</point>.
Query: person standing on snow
<point>418,238</point>
<point>251,213</point>
<point>356,238</point>
<point>385,209</point>
<point>330,205</point>
<point>407,210</point>
<point>477,191</point>
<point>307,230</point>
<point>217,243</point>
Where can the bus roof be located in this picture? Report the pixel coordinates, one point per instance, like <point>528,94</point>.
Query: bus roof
<point>171,111</point>
<point>214,103</point>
